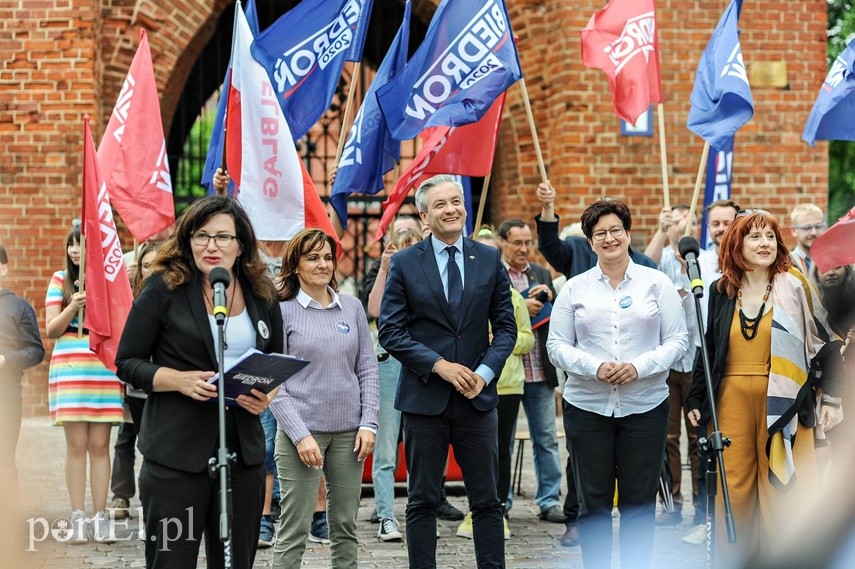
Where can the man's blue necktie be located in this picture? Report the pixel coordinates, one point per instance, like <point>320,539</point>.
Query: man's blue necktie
<point>455,283</point>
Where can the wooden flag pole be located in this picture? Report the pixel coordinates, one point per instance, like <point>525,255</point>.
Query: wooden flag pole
<point>345,128</point>
<point>81,280</point>
<point>702,168</point>
<point>482,202</point>
<point>530,117</point>
<point>663,155</point>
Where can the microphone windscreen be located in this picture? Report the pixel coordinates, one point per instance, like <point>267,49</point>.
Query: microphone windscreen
<point>219,275</point>
<point>688,244</point>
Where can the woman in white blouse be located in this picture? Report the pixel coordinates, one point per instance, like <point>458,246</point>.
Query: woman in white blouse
<point>616,330</point>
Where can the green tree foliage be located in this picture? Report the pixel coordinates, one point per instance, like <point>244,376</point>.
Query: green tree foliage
<point>841,153</point>
<point>190,166</point>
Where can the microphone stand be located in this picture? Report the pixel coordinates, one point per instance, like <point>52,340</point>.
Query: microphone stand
<point>712,446</point>
<point>219,466</point>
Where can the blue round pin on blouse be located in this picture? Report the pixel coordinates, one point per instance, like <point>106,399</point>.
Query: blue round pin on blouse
<point>342,327</point>
<point>625,302</point>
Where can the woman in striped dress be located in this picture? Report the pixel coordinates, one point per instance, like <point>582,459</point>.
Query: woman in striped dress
<point>83,396</point>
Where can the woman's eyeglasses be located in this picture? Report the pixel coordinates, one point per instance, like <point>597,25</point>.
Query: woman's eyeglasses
<point>221,240</point>
<point>601,234</point>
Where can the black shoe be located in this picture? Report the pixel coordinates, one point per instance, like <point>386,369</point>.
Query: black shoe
<point>374,518</point>
<point>447,512</point>
<point>570,537</point>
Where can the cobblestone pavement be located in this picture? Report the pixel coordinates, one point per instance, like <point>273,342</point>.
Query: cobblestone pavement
<point>534,543</point>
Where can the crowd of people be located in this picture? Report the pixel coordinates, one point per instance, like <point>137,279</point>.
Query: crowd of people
<point>448,337</point>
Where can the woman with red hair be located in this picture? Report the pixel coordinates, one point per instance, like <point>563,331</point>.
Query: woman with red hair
<point>766,327</point>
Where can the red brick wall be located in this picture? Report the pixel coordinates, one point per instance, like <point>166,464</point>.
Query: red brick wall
<point>64,58</point>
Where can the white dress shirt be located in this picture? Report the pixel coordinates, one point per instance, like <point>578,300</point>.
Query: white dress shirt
<point>708,263</point>
<point>640,322</point>
<point>670,265</point>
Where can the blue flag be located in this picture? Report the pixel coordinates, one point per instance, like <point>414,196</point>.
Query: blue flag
<point>719,183</point>
<point>303,53</point>
<point>468,58</point>
<point>721,97</point>
<point>215,145</point>
<point>355,52</point>
<point>833,114</point>
<point>370,151</point>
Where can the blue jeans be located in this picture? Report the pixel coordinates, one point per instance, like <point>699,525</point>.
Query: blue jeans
<point>268,423</point>
<point>539,404</point>
<point>386,445</point>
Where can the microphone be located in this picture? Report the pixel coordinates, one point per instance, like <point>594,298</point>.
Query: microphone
<point>220,280</point>
<point>689,250</point>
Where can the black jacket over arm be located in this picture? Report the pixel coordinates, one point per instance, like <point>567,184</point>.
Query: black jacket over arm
<point>170,328</point>
<point>717,339</point>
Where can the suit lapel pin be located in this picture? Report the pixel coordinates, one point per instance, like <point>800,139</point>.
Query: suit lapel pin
<point>471,257</point>
<point>262,329</point>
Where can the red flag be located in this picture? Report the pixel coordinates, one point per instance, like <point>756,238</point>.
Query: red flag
<point>835,247</point>
<point>621,39</point>
<point>108,290</point>
<point>466,150</point>
<point>470,151</point>
<point>132,155</point>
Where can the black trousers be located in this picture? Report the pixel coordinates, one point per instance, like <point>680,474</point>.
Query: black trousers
<point>627,449</point>
<point>472,433</point>
<point>571,500</point>
<point>181,506</point>
<point>123,481</point>
<point>507,411</point>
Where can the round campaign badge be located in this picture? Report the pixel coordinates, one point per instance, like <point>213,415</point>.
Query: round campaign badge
<point>262,329</point>
<point>342,327</point>
<point>625,302</point>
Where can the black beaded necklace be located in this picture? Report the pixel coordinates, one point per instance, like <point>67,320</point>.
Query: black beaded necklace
<point>749,326</point>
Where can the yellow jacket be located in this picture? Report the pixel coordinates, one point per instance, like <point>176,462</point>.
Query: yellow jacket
<point>512,379</point>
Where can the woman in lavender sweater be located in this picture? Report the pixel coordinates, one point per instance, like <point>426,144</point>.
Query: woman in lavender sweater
<point>327,413</point>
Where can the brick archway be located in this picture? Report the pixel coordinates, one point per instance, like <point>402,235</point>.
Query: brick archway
<point>178,31</point>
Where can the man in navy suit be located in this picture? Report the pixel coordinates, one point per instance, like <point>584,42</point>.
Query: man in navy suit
<point>441,297</point>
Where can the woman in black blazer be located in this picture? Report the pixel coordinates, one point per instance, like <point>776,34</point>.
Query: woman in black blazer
<point>167,349</point>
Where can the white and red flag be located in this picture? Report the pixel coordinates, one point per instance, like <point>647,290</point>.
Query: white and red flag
<point>108,290</point>
<point>275,188</point>
<point>836,247</point>
<point>621,39</point>
<point>132,154</point>
<point>465,150</point>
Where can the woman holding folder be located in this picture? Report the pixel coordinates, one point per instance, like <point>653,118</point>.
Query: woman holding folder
<point>327,413</point>
<point>167,350</point>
